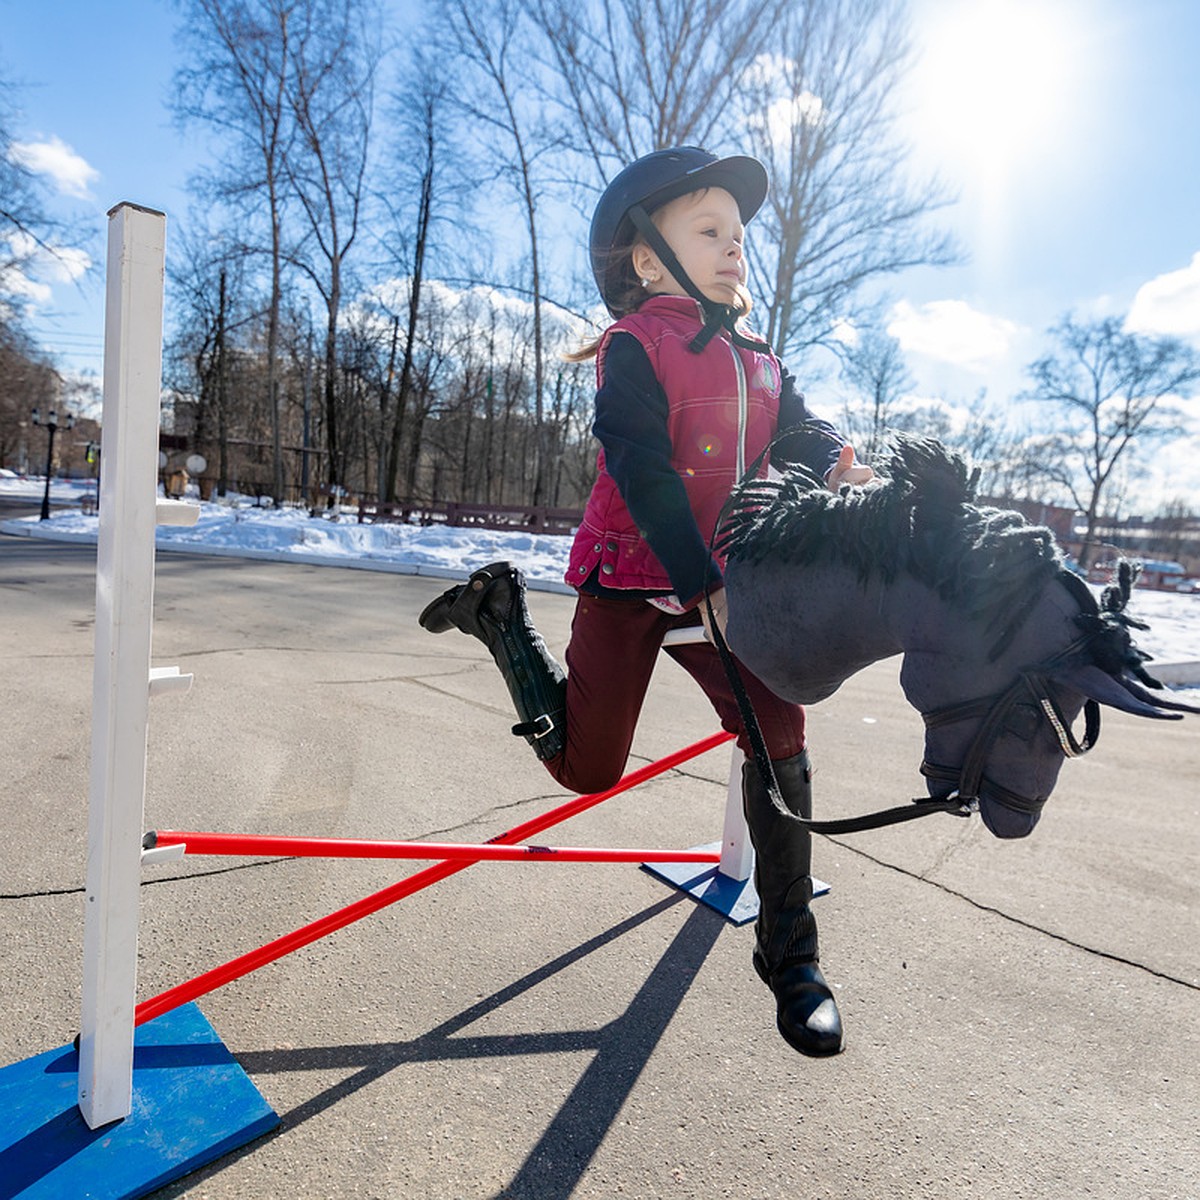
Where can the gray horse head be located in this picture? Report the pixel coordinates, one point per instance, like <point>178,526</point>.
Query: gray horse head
<point>1004,648</point>
<point>999,727</point>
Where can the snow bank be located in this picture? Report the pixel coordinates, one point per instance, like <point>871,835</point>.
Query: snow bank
<point>241,529</point>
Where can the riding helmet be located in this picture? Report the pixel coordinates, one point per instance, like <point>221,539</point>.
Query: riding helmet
<point>651,182</point>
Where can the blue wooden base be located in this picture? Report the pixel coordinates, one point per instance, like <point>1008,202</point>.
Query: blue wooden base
<point>737,901</point>
<point>192,1103</point>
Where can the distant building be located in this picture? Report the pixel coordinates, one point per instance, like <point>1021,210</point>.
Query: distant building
<point>1167,546</point>
<point>1156,574</point>
<point>1060,521</point>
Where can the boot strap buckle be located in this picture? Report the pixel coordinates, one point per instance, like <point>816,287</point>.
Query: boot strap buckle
<point>540,727</point>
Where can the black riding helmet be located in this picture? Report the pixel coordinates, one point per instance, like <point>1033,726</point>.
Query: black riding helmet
<point>648,184</point>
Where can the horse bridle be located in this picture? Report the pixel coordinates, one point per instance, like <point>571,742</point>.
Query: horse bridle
<point>964,799</point>
<point>994,711</point>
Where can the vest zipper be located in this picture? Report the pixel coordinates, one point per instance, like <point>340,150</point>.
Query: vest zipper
<point>743,415</point>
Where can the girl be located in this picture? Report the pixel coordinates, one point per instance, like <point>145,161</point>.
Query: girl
<point>685,399</point>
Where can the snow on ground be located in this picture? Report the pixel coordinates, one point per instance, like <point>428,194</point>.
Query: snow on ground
<point>238,527</point>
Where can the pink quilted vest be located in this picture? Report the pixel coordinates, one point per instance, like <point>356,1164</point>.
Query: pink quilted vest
<point>722,409</point>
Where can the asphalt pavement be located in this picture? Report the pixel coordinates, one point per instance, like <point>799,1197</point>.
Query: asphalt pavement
<point>1022,1018</point>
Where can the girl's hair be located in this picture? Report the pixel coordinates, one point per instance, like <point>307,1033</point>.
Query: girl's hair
<point>627,294</point>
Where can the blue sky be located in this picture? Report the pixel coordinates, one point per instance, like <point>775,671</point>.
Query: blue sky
<point>1068,129</point>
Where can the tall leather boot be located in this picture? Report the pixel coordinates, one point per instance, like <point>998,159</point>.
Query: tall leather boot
<point>785,955</point>
<point>490,606</point>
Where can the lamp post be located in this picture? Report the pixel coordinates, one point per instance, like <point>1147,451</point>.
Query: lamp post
<point>51,424</point>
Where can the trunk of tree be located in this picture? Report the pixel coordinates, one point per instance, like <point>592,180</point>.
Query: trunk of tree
<point>277,485</point>
<point>306,433</point>
<point>222,395</point>
<point>424,215</point>
<point>385,487</point>
<point>335,467</point>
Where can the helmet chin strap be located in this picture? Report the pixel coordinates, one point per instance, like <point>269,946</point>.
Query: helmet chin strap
<point>716,316</point>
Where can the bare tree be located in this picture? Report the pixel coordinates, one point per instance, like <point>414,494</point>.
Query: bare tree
<point>635,77</point>
<point>419,186</point>
<point>1174,519</point>
<point>27,381</point>
<point>214,317</point>
<point>486,35</point>
<point>980,432</point>
<point>24,224</point>
<point>814,101</point>
<point>193,353</point>
<point>874,366</point>
<point>236,79</point>
<point>443,339</point>
<point>819,112</point>
<point>333,57</point>
<point>1117,391</point>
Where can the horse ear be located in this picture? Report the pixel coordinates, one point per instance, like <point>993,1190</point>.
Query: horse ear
<point>1124,694</point>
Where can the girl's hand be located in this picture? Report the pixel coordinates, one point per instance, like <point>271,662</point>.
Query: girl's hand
<point>720,612</point>
<point>847,470</point>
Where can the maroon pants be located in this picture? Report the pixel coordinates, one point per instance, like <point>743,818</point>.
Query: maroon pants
<point>614,646</point>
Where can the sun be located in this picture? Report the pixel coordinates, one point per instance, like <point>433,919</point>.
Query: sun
<point>993,82</point>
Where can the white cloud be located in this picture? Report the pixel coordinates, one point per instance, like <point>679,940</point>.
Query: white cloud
<point>36,268</point>
<point>15,282</point>
<point>773,75</point>
<point>1169,304</point>
<point>49,260</point>
<point>65,264</point>
<point>952,331</point>
<point>72,174</point>
<point>470,306</point>
<point>784,114</point>
<point>845,331</point>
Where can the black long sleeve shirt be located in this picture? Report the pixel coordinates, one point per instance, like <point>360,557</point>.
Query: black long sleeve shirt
<point>631,425</point>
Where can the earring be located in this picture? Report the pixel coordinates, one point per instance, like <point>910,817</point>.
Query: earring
<point>645,282</point>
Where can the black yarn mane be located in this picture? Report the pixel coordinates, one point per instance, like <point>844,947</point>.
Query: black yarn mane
<point>990,563</point>
<point>1110,644</point>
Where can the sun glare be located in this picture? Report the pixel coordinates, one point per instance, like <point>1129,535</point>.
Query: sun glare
<point>992,82</point>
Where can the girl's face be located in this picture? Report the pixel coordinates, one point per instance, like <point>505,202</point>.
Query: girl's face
<point>705,230</point>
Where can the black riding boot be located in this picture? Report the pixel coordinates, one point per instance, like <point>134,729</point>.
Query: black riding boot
<point>786,955</point>
<point>491,607</point>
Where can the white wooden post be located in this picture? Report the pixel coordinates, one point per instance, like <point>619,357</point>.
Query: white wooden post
<point>737,854</point>
<point>121,680</point>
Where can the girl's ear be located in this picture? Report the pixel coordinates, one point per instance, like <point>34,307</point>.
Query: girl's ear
<point>645,262</point>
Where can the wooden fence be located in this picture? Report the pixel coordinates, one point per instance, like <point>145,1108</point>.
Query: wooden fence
<point>529,518</point>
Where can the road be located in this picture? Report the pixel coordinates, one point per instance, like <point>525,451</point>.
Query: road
<point>12,507</point>
<point>1023,1019</point>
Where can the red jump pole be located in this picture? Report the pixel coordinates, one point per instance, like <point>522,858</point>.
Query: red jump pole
<point>244,964</point>
<point>313,847</point>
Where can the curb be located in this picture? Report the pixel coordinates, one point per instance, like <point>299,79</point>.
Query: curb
<point>1177,674</point>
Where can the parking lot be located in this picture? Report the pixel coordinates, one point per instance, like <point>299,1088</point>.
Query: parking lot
<point>1021,1018</point>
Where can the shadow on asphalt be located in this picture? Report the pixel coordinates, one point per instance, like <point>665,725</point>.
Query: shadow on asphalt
<point>621,1049</point>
